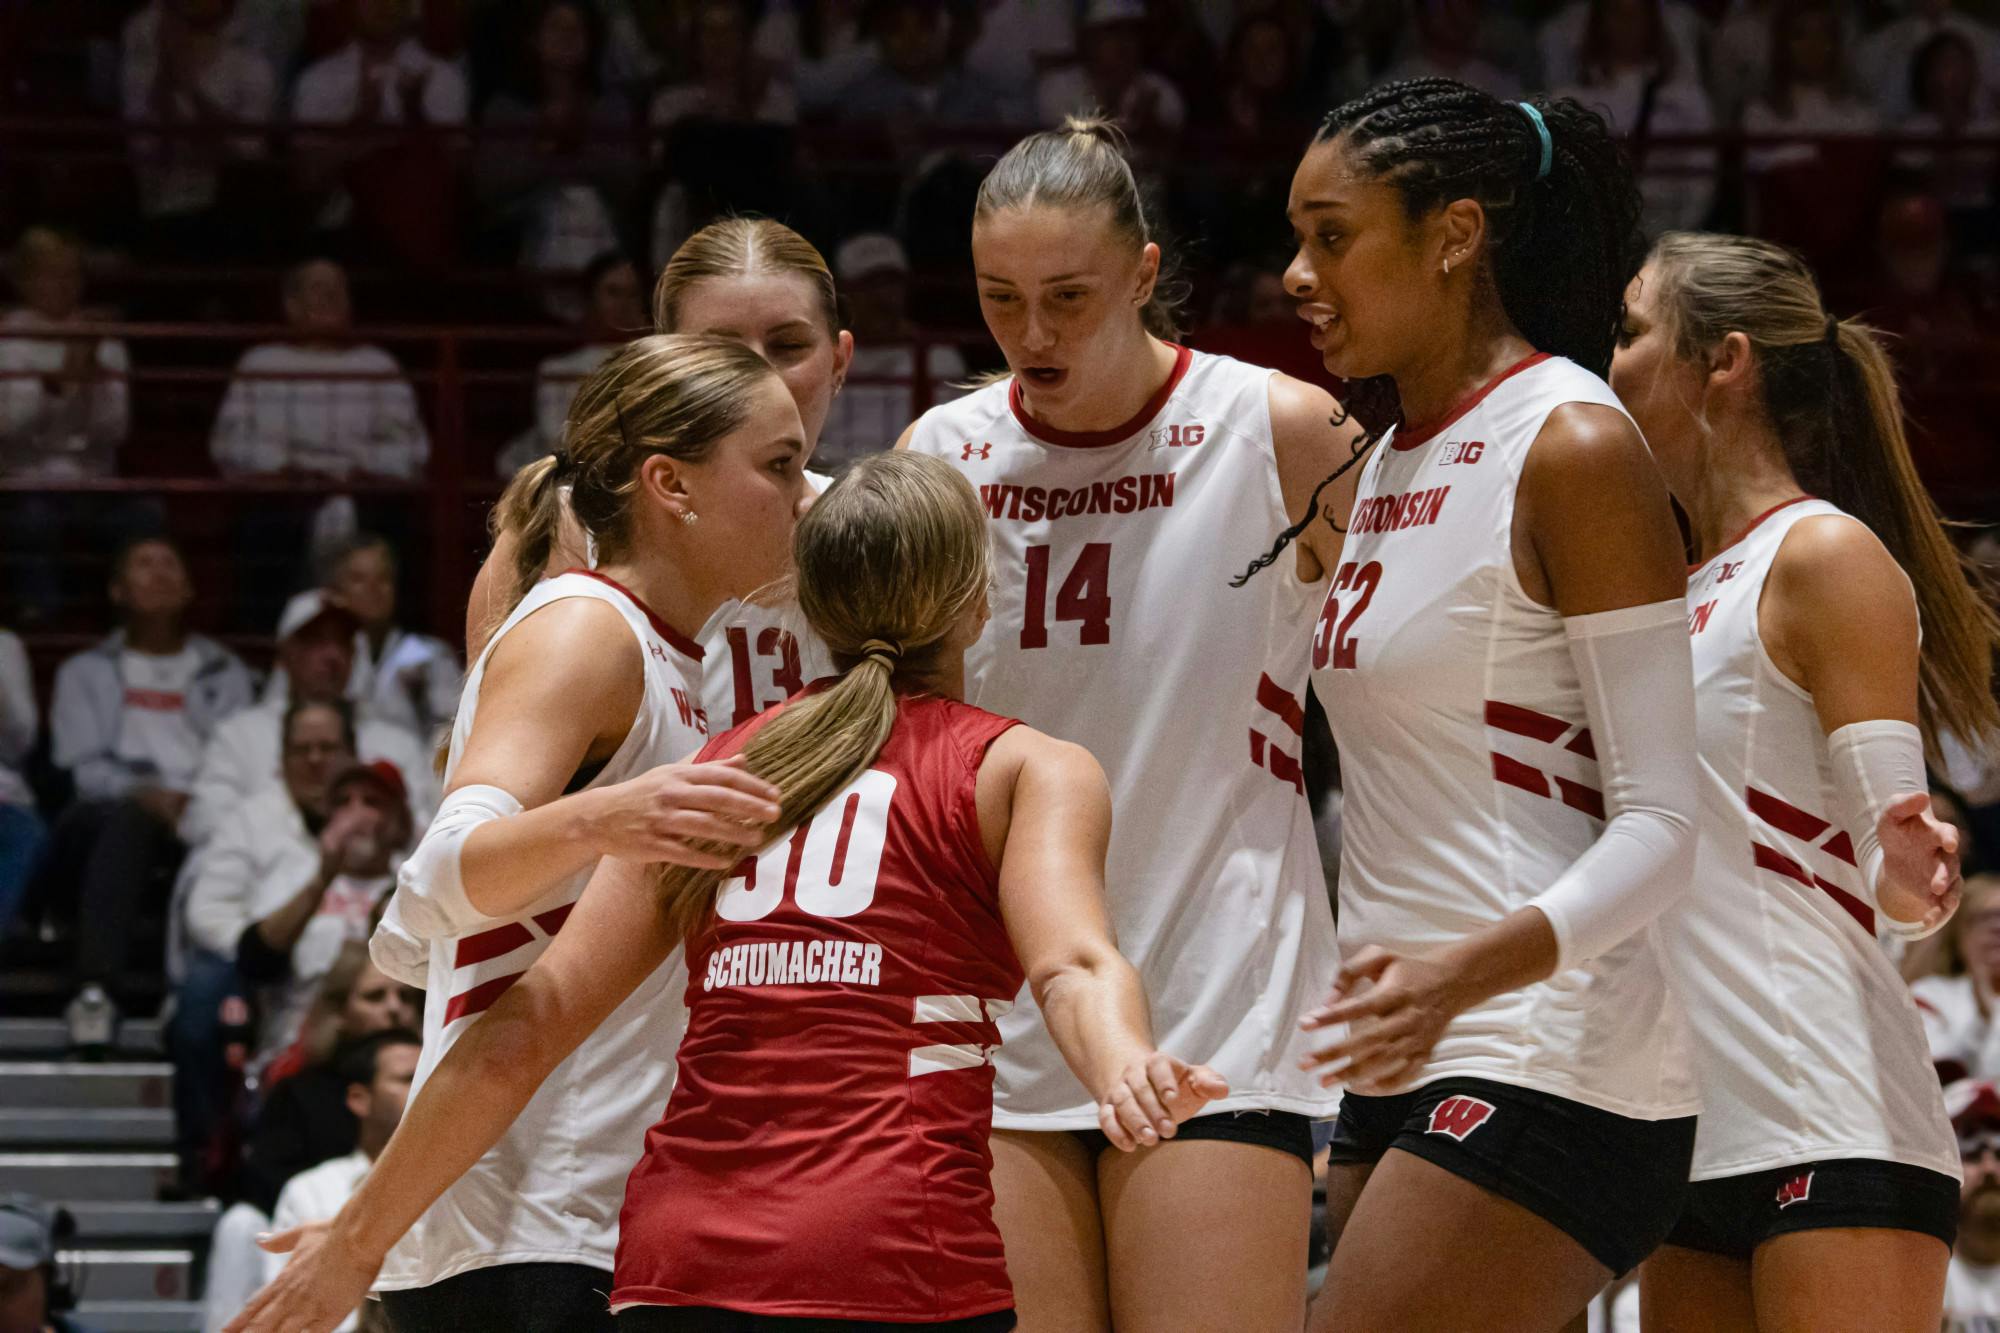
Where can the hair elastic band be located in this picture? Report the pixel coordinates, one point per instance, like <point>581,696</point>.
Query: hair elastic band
<point>1833,330</point>
<point>889,654</point>
<point>1542,132</point>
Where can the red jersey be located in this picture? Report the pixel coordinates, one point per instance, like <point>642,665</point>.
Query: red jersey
<point>824,1153</point>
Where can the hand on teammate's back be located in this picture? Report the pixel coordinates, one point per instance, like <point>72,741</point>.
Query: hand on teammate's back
<point>1920,876</point>
<point>663,814</point>
<point>1154,1094</point>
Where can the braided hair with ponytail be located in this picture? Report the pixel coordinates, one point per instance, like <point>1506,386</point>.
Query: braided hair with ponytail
<point>1562,221</point>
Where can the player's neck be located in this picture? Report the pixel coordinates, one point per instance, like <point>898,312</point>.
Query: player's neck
<point>1130,380</point>
<point>1433,390</point>
<point>682,602</point>
<point>1743,477</point>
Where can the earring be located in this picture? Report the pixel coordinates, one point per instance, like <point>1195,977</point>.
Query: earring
<point>687,516</point>
<point>1447,267</point>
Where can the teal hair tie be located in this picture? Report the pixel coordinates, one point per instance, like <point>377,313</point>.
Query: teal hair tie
<point>1541,132</point>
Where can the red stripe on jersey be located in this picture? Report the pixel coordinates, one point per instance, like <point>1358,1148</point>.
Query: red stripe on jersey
<point>491,944</point>
<point>1579,797</point>
<point>840,843</point>
<point>1256,747</point>
<point>479,999</point>
<point>1286,769</point>
<point>1415,434</point>
<point>1582,745</point>
<point>1524,721</point>
<point>1840,845</point>
<point>1272,696</point>
<point>1517,774</point>
<point>1754,524</point>
<point>552,920</point>
<point>1854,907</point>
<point>1784,816</point>
<point>1098,439</point>
<point>1768,859</point>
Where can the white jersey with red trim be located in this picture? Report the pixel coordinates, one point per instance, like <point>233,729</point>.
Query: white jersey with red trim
<point>1114,626</point>
<point>1470,781</point>
<point>759,656</point>
<point>1807,1041</point>
<point>550,1190</point>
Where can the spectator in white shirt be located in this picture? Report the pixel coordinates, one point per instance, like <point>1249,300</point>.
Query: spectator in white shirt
<point>1111,78</point>
<point>1972,1283</point>
<point>316,650</point>
<point>384,79</point>
<point>1811,90</point>
<point>379,1071</point>
<point>878,397</point>
<point>349,413</point>
<point>297,871</point>
<point>1958,1010</point>
<point>1885,56</point>
<point>63,398</point>
<point>195,79</point>
<point>22,835</point>
<point>129,719</point>
<point>1633,68</point>
<point>614,314</point>
<point>409,679</point>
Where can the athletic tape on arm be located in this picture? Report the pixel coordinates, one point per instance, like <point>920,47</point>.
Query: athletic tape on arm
<point>1637,673</point>
<point>1874,763</point>
<point>430,891</point>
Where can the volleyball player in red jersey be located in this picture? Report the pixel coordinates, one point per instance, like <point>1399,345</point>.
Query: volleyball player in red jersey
<point>824,1161</point>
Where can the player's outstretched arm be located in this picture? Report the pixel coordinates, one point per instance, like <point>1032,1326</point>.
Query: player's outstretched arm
<point>613,940</point>
<point>1046,812</point>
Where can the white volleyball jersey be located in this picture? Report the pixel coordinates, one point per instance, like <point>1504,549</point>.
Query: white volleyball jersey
<point>758,656</point>
<point>1469,778</point>
<point>1807,1041</point>
<point>550,1190</point>
<point>1114,626</point>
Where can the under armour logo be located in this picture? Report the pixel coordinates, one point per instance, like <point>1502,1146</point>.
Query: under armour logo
<point>984,451</point>
<point>657,651</point>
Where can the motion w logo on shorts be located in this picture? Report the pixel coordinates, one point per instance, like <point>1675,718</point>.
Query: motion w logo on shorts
<point>1459,1116</point>
<point>1795,1190</point>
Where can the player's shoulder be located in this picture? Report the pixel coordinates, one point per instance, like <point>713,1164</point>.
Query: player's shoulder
<point>1834,559</point>
<point>1063,764</point>
<point>954,422</point>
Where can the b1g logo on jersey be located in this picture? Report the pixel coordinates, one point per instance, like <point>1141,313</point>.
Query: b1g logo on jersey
<point>1179,437</point>
<point>1459,1116</point>
<point>1461,451</point>
<point>969,451</point>
<point>1796,1190</point>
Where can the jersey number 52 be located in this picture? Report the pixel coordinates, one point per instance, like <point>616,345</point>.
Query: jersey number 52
<point>1333,639</point>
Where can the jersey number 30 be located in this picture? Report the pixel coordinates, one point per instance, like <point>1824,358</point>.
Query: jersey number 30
<point>828,865</point>
<point>1085,596</point>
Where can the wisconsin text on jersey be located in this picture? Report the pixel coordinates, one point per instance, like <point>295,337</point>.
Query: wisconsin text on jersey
<point>1387,513</point>
<point>794,963</point>
<point>1149,490</point>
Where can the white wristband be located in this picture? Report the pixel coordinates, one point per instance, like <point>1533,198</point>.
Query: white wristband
<point>430,890</point>
<point>1875,762</point>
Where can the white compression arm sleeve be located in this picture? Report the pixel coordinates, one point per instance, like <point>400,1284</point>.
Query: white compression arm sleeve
<point>397,952</point>
<point>1638,689</point>
<point>1874,763</point>
<point>430,891</point>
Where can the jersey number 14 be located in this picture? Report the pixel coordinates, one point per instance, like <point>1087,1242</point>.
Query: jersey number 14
<point>1085,596</point>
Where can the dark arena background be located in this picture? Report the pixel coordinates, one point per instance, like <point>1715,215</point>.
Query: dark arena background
<point>297,285</point>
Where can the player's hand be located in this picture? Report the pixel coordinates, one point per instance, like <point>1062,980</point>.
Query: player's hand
<point>1920,881</point>
<point>1154,1094</point>
<point>1395,1010</point>
<point>662,813</point>
<point>326,1280</point>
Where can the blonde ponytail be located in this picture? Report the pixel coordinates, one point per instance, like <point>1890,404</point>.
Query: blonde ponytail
<point>890,560</point>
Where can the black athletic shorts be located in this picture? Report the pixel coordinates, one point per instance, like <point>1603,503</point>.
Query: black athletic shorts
<point>1613,1184</point>
<point>692,1319</point>
<point>1732,1216</point>
<point>1287,1131</point>
<point>507,1298</point>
